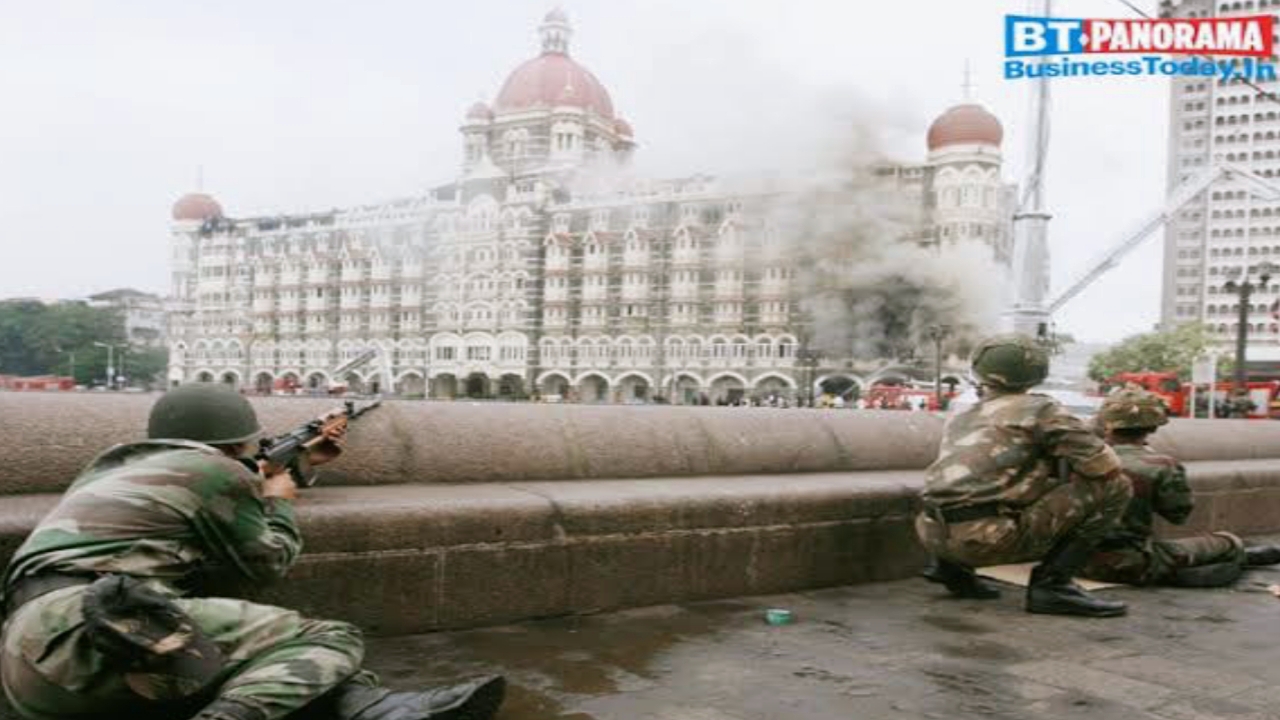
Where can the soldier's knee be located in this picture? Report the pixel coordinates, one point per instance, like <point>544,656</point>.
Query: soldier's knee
<point>334,634</point>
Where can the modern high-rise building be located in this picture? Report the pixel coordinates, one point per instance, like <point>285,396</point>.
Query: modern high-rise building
<point>545,268</point>
<point>1226,231</point>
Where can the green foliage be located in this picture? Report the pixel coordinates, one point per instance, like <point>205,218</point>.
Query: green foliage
<point>40,339</point>
<point>1161,351</point>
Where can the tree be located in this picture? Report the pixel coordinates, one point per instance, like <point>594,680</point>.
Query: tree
<point>1161,351</point>
<point>41,339</point>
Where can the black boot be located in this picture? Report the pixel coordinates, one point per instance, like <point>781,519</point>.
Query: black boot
<point>1052,591</point>
<point>477,699</point>
<point>962,581</point>
<point>1256,555</point>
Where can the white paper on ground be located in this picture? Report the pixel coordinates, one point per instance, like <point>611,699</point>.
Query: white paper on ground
<point>1020,575</point>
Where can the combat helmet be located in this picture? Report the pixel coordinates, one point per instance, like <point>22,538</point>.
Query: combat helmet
<point>1133,410</point>
<point>1010,362</point>
<point>204,412</point>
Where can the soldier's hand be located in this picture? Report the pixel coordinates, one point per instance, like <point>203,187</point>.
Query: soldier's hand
<point>328,447</point>
<point>280,484</point>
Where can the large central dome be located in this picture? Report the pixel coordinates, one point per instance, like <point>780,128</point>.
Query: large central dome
<point>553,78</point>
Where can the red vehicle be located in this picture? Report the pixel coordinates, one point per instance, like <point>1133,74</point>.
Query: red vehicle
<point>1265,394</point>
<point>37,383</point>
<point>901,397</point>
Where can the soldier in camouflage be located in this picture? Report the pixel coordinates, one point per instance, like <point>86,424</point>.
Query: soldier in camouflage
<point>104,611</point>
<point>1130,554</point>
<point>1019,478</point>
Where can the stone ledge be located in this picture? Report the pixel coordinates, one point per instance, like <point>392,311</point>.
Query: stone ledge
<point>407,558</point>
<point>50,436</point>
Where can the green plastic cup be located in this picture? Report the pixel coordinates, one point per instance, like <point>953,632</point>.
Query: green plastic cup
<point>778,616</point>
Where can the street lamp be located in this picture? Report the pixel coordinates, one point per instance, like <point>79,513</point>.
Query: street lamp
<point>808,359</point>
<point>111,366</point>
<point>1239,283</point>
<point>937,333</point>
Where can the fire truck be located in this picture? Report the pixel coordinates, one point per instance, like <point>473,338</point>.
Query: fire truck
<point>901,397</point>
<point>1177,394</point>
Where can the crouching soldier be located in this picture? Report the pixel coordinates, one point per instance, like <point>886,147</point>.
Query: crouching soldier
<point>1130,554</point>
<point>105,614</point>
<point>1019,478</point>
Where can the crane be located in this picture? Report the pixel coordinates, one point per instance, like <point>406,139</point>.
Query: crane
<point>1181,195</point>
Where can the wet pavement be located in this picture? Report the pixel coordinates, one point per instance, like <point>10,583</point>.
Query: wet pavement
<point>889,650</point>
<point>885,650</point>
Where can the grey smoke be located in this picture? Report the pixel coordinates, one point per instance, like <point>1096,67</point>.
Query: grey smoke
<point>869,290</point>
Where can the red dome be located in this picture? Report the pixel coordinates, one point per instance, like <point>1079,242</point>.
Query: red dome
<point>966,124</point>
<point>196,206</point>
<point>553,79</point>
<point>623,128</point>
<point>479,111</point>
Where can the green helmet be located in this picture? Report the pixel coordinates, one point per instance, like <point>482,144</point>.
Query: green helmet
<point>204,412</point>
<point>1010,362</point>
<point>1133,409</point>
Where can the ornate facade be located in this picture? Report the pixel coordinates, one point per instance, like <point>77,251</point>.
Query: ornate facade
<point>533,275</point>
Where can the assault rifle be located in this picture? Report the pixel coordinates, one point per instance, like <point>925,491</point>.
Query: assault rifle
<point>289,451</point>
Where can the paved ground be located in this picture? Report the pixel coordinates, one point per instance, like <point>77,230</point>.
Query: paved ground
<point>890,650</point>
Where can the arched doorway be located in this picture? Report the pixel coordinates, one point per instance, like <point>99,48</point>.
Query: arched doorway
<point>204,376</point>
<point>288,382</point>
<point>633,389</point>
<point>262,383</point>
<point>444,387</point>
<point>773,389</point>
<point>317,383</point>
<point>688,390</point>
<point>593,389</point>
<point>477,386</point>
<point>354,383</point>
<point>840,386</point>
<point>727,390</point>
<point>555,388</point>
<point>412,385</point>
<point>511,387</point>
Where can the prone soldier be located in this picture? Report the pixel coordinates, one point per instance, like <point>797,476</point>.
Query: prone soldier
<point>1130,553</point>
<point>105,611</point>
<point>1020,478</point>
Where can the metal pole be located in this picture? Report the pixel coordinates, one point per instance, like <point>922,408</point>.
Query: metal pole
<point>111,367</point>
<point>937,370</point>
<point>1213,381</point>
<point>1242,334</point>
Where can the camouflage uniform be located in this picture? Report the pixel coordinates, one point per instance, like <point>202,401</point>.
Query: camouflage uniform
<point>167,516</point>
<point>1047,475</point>
<point>1130,554</point>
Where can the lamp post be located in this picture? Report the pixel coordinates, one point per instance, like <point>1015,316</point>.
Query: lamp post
<point>808,359</point>
<point>937,333</point>
<point>111,368</point>
<point>1239,284</point>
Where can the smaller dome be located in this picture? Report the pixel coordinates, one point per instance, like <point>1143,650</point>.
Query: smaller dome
<point>623,128</point>
<point>966,124</point>
<point>479,111</point>
<point>196,206</point>
<point>556,15</point>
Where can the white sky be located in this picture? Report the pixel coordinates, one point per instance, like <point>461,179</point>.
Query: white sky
<point>291,105</point>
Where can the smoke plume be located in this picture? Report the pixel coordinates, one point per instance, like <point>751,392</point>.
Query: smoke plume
<point>870,287</point>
